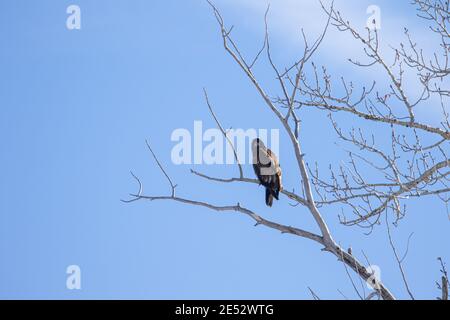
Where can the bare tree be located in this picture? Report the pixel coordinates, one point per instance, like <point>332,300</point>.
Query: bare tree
<point>408,168</point>
<point>444,284</point>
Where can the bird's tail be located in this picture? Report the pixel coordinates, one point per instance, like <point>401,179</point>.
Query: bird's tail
<point>269,197</point>
<point>276,194</point>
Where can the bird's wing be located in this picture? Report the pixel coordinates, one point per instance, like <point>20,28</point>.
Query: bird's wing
<point>257,170</point>
<point>263,177</point>
<point>277,169</point>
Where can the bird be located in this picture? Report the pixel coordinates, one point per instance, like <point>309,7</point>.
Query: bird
<point>268,170</point>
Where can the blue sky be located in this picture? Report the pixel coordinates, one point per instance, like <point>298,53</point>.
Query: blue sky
<point>76,108</point>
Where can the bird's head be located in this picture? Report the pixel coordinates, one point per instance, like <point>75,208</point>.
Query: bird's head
<point>257,143</point>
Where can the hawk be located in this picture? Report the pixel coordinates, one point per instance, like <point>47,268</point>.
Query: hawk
<point>267,169</point>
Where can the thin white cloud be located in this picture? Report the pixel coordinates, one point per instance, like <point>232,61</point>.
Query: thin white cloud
<point>288,17</point>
